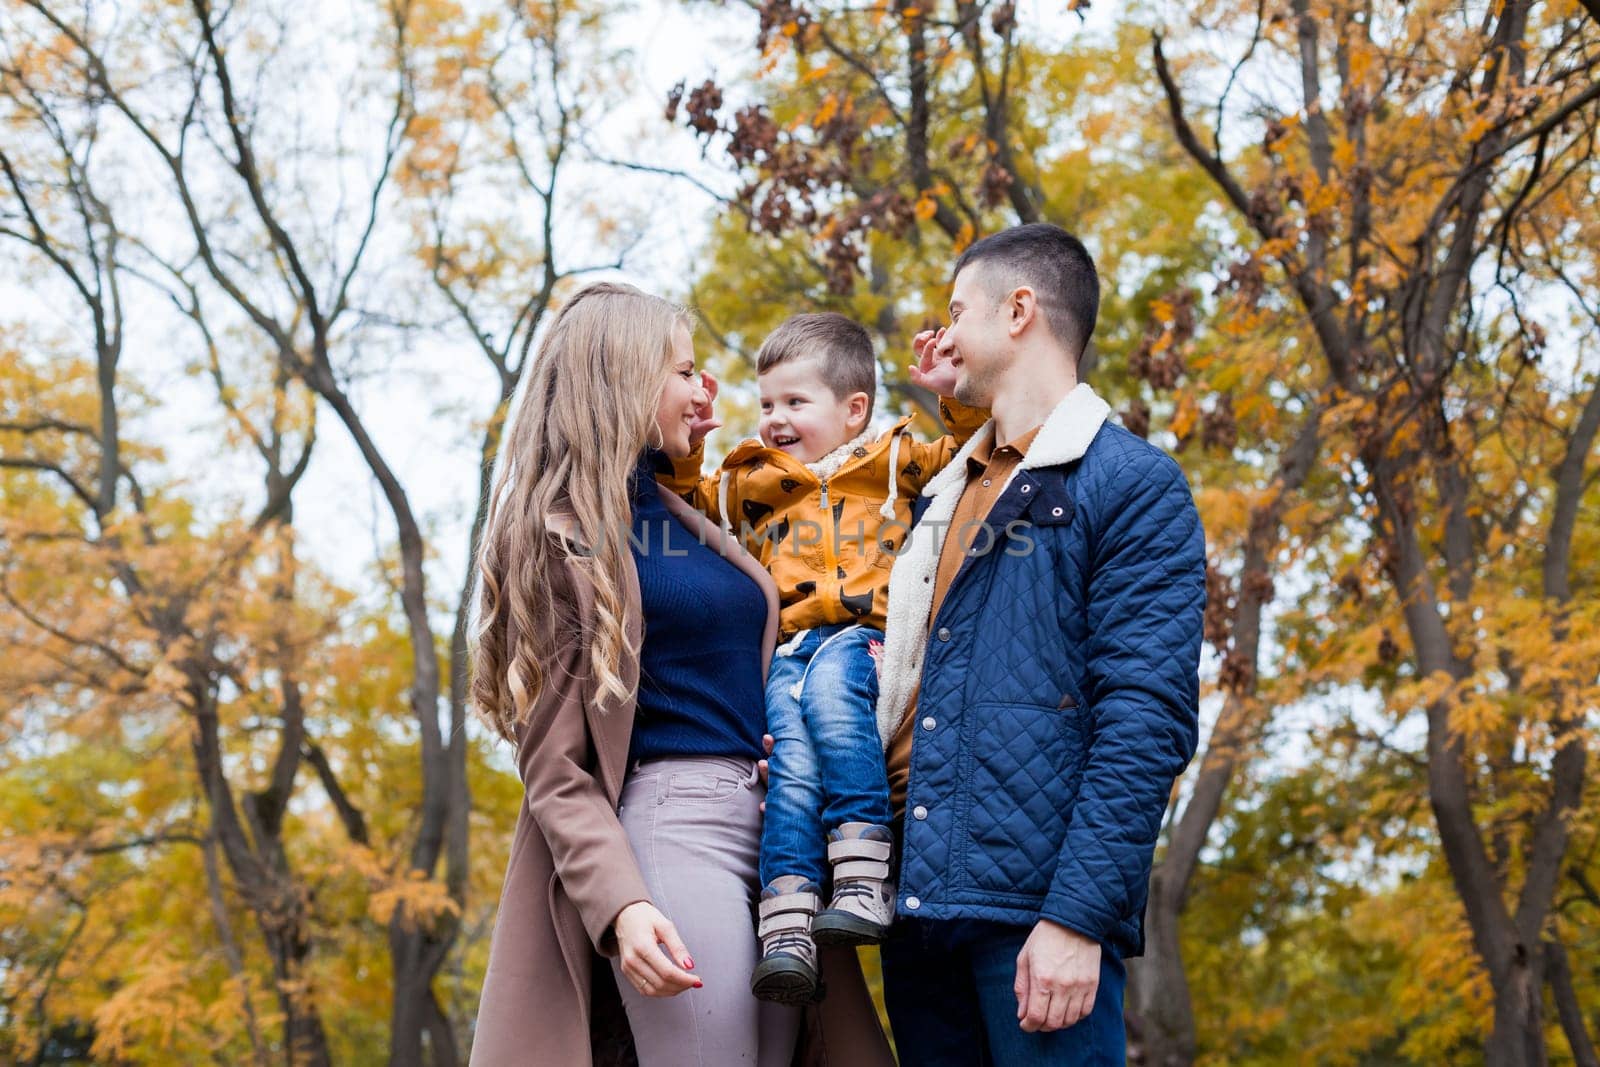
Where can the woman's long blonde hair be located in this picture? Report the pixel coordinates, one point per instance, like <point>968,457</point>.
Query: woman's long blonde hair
<point>586,415</point>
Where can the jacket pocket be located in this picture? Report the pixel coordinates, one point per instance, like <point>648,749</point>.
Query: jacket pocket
<point>1026,765</point>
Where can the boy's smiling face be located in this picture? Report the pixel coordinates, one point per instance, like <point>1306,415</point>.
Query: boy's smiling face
<point>801,416</point>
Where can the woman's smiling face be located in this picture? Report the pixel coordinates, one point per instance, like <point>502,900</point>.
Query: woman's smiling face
<point>675,414</point>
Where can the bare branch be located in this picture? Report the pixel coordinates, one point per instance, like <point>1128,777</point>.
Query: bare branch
<point>77,487</point>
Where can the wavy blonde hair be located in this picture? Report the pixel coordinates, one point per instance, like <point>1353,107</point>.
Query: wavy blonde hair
<point>586,415</point>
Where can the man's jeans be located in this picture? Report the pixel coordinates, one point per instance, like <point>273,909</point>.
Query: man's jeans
<point>949,988</point>
<point>827,761</point>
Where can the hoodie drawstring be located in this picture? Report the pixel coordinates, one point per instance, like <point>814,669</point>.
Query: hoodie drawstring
<point>887,511</point>
<point>722,501</point>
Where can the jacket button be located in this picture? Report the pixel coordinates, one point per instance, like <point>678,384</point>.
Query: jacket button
<point>858,451</point>
<point>913,903</point>
<point>919,812</point>
<point>943,634</point>
<point>1056,512</point>
<point>929,723</point>
<point>1025,488</point>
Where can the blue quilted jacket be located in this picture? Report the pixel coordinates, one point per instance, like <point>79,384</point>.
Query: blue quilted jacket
<point>1058,697</point>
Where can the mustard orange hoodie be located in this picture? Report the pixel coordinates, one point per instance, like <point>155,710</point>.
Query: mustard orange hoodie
<point>828,543</point>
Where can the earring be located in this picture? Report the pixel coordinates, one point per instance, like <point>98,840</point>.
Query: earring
<point>656,426</point>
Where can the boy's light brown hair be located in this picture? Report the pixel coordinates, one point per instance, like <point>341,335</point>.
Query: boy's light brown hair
<point>842,348</point>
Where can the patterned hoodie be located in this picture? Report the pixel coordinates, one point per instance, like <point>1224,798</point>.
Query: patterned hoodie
<point>828,541</point>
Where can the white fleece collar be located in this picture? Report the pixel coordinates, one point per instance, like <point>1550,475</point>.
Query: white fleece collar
<point>1064,437</point>
<point>824,467</point>
<point>1069,429</point>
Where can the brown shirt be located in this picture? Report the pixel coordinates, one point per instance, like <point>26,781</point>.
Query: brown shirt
<point>988,470</point>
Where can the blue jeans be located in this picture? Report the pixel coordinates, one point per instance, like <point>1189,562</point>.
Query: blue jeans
<point>827,761</point>
<point>948,986</point>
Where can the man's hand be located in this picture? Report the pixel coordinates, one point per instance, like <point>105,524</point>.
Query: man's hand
<point>1058,972</point>
<point>767,742</point>
<point>704,421</point>
<point>931,371</point>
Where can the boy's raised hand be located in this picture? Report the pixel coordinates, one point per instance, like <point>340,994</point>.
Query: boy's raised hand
<point>704,420</point>
<point>931,371</point>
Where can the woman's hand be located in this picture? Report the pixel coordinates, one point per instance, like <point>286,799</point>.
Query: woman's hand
<point>641,932</point>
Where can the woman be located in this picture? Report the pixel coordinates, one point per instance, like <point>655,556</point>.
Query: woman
<point>591,580</point>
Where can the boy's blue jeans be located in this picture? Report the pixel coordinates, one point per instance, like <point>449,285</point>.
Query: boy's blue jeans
<point>827,761</point>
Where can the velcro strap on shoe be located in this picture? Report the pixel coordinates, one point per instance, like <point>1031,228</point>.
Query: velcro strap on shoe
<point>860,869</point>
<point>783,920</point>
<point>856,848</point>
<point>808,903</point>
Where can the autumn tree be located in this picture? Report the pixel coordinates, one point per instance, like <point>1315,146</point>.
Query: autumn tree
<point>281,240</point>
<point>1402,204</point>
<point>293,281</point>
<point>117,608</point>
<point>873,144</point>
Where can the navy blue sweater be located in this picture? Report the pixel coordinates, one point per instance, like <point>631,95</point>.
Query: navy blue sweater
<point>700,690</point>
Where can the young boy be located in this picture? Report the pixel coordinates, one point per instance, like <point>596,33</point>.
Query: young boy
<point>825,505</point>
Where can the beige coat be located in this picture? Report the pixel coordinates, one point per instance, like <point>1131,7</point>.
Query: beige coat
<point>571,869</point>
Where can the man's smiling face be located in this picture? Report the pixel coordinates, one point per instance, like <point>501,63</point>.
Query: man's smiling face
<point>977,341</point>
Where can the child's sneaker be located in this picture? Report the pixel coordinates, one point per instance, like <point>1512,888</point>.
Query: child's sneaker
<point>863,896</point>
<point>787,973</point>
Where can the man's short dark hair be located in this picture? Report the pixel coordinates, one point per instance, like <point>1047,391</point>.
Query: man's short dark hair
<point>1051,262</point>
<point>842,347</point>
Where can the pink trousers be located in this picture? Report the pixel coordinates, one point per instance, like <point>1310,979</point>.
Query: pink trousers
<point>695,827</point>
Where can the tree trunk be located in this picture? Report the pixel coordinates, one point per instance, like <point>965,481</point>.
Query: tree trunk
<point>1559,973</point>
<point>417,956</point>
<point>271,894</point>
<point>416,952</point>
<point>407,1014</point>
<point>304,1036</point>
<point>441,1040</point>
<point>1159,984</point>
<point>1517,1039</point>
<point>1162,1009</point>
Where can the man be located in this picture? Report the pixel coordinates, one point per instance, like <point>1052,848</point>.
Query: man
<point>1039,683</point>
